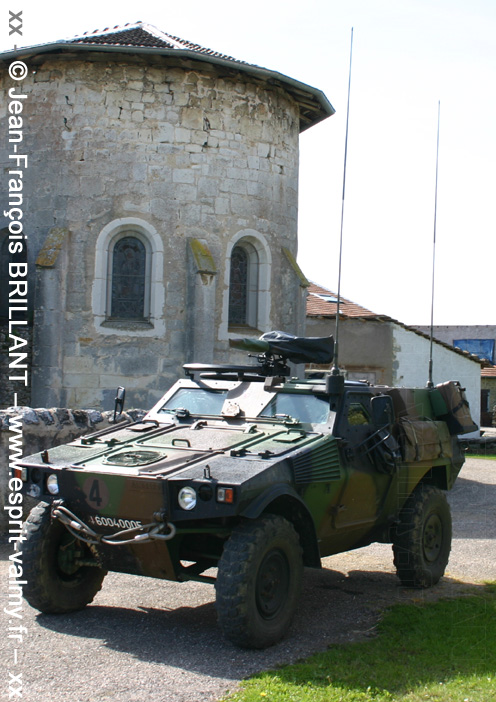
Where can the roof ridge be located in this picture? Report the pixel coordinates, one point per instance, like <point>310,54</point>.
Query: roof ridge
<point>172,41</point>
<point>160,34</point>
<point>144,39</point>
<point>109,30</point>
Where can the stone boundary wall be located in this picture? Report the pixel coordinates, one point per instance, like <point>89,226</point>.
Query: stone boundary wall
<point>43,429</point>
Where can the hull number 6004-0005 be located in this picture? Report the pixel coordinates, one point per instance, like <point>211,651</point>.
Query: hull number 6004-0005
<point>114,522</point>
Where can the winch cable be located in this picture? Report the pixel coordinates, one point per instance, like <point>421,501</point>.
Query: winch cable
<point>83,532</point>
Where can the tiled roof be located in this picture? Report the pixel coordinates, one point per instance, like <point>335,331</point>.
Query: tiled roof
<point>145,39</point>
<point>141,34</point>
<point>489,372</point>
<point>323,303</point>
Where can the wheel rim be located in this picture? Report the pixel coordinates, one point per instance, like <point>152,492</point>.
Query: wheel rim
<point>272,584</point>
<point>433,538</point>
<point>66,558</point>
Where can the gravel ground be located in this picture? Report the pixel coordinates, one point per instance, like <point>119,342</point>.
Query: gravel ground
<point>144,639</point>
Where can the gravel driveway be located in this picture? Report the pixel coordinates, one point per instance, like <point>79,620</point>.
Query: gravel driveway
<point>144,640</point>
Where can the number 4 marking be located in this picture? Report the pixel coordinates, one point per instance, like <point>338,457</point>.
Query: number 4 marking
<point>94,495</point>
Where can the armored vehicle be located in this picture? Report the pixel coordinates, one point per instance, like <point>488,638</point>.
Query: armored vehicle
<point>242,475</point>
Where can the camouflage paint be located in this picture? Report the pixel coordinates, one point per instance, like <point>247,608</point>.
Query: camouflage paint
<point>132,474</point>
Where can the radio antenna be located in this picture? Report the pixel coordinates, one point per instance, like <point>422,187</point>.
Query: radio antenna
<point>335,369</point>
<point>430,383</point>
<point>335,385</point>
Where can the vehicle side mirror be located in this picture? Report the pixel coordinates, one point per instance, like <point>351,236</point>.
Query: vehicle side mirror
<point>382,410</point>
<point>119,401</point>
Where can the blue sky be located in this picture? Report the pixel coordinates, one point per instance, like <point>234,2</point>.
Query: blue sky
<point>408,55</point>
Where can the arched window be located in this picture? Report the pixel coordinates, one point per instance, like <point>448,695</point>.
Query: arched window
<point>128,290</point>
<point>128,279</point>
<point>243,285</point>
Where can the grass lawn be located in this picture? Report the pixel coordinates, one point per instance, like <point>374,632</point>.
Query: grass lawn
<point>430,652</point>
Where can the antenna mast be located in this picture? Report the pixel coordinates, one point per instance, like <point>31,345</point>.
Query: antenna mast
<point>430,383</point>
<point>335,369</point>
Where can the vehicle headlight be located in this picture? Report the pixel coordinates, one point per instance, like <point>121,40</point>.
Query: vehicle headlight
<point>187,498</point>
<point>53,484</point>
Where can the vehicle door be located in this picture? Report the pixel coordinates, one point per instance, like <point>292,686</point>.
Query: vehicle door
<point>367,480</point>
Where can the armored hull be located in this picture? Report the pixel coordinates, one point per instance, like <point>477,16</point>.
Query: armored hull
<point>241,475</point>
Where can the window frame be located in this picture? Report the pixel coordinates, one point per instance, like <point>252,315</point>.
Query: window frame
<point>124,234</point>
<point>153,324</point>
<point>259,318</point>
<point>251,283</point>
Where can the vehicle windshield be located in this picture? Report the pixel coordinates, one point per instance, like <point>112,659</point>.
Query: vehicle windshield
<point>305,408</point>
<point>196,400</point>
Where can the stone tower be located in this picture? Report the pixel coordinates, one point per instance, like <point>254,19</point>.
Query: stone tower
<point>160,205</point>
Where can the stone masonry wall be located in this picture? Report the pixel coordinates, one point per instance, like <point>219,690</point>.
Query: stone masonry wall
<point>364,347</point>
<point>40,429</point>
<point>193,151</point>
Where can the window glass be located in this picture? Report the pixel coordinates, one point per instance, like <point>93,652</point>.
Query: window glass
<point>238,286</point>
<point>305,408</point>
<point>196,400</point>
<point>357,414</point>
<point>128,279</point>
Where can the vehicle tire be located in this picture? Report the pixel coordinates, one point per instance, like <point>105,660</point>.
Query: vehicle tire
<point>55,582</point>
<point>422,539</point>
<point>259,582</point>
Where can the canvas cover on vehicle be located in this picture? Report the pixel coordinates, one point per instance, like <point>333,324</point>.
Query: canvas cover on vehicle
<point>412,403</point>
<point>446,401</point>
<point>296,349</point>
<point>424,440</point>
<point>450,404</point>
